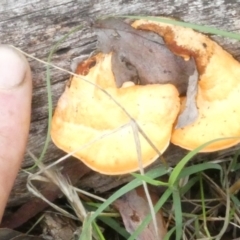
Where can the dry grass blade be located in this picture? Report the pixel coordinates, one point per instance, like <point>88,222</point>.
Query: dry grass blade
<point>69,192</point>
<point>63,184</point>
<point>31,188</point>
<point>89,194</point>
<point>138,148</point>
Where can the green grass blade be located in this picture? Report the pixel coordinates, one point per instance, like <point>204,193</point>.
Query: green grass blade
<point>87,228</point>
<point>178,214</point>
<point>49,94</point>
<point>200,168</point>
<point>149,180</point>
<point>98,231</point>
<point>235,200</point>
<point>189,185</point>
<point>169,233</point>
<point>197,228</point>
<point>115,226</point>
<point>203,207</point>
<point>201,28</point>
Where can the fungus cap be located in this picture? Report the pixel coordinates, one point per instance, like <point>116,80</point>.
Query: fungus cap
<point>218,89</point>
<point>85,113</point>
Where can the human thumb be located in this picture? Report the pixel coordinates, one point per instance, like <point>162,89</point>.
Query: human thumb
<point>15,109</point>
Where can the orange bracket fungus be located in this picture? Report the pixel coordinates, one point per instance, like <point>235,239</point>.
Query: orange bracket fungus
<point>218,88</point>
<point>85,113</point>
<point>177,84</point>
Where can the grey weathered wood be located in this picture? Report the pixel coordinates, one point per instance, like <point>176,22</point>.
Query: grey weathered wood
<point>34,26</point>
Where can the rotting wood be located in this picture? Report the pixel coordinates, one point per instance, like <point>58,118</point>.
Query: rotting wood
<point>34,26</point>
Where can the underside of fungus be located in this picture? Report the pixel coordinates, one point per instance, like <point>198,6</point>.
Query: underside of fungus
<point>94,116</point>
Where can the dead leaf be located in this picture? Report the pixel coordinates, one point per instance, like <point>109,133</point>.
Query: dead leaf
<point>58,227</point>
<point>134,207</point>
<point>143,58</point>
<point>141,55</point>
<point>190,112</point>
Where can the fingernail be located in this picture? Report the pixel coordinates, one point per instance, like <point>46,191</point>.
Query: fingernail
<point>13,67</point>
